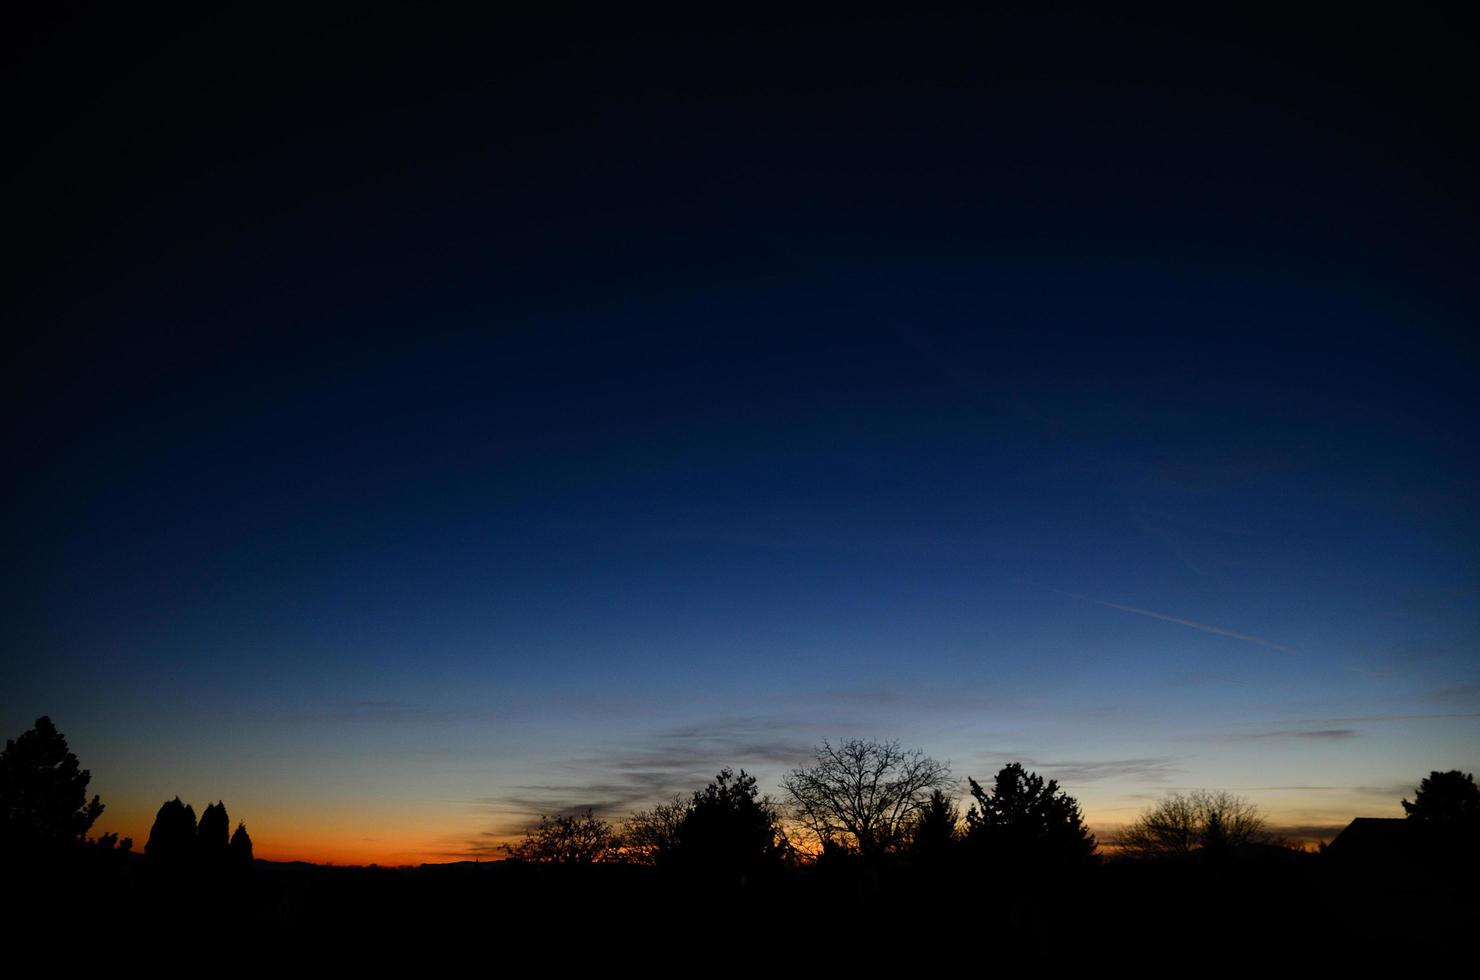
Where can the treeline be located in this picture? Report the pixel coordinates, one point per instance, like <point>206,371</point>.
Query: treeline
<point>869,840</point>
<point>875,805</point>
<point>190,871</point>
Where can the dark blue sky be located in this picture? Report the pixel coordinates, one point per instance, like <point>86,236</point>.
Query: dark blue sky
<point>505,415</point>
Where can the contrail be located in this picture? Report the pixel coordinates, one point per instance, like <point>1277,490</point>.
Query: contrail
<point>1205,627</point>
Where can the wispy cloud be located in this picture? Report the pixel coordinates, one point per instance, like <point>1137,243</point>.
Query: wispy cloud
<point>1154,524</point>
<point>671,762</point>
<point>1068,773</point>
<point>1154,769</point>
<point>1459,694</point>
<point>1315,733</point>
<point>799,540</point>
<point>1189,623</point>
<point>1354,719</point>
<point>1202,678</point>
<point>1390,792</point>
<point>1430,648</point>
<point>363,711</point>
<point>1306,831</point>
<point>962,698</point>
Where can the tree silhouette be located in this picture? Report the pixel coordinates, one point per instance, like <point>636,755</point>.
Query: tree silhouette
<point>212,841</point>
<point>729,832</point>
<point>1201,821</point>
<point>582,838</point>
<point>241,851</point>
<point>863,794</point>
<point>170,850</point>
<point>213,832</point>
<point>936,829</point>
<point>651,836</point>
<point>182,856</point>
<point>43,792</point>
<point>1445,798</point>
<point>1023,820</point>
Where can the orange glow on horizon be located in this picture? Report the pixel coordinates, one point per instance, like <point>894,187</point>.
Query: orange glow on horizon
<point>412,836</point>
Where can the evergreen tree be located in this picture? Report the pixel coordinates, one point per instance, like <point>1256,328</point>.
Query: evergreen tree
<point>1446,798</point>
<point>213,833</point>
<point>241,852</point>
<point>1028,822</point>
<point>43,791</point>
<point>170,849</point>
<point>212,843</point>
<point>936,830</point>
<point>730,833</point>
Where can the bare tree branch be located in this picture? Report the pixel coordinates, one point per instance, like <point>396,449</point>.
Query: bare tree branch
<point>863,794</point>
<point>1186,822</point>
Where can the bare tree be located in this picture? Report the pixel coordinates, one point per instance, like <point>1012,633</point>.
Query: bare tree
<point>651,836</point>
<point>864,794</point>
<point>582,838</point>
<point>1186,822</point>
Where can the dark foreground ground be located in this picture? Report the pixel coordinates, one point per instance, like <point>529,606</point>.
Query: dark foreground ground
<point>812,919</point>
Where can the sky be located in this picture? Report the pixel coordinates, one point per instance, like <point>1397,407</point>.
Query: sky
<point>418,423</point>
